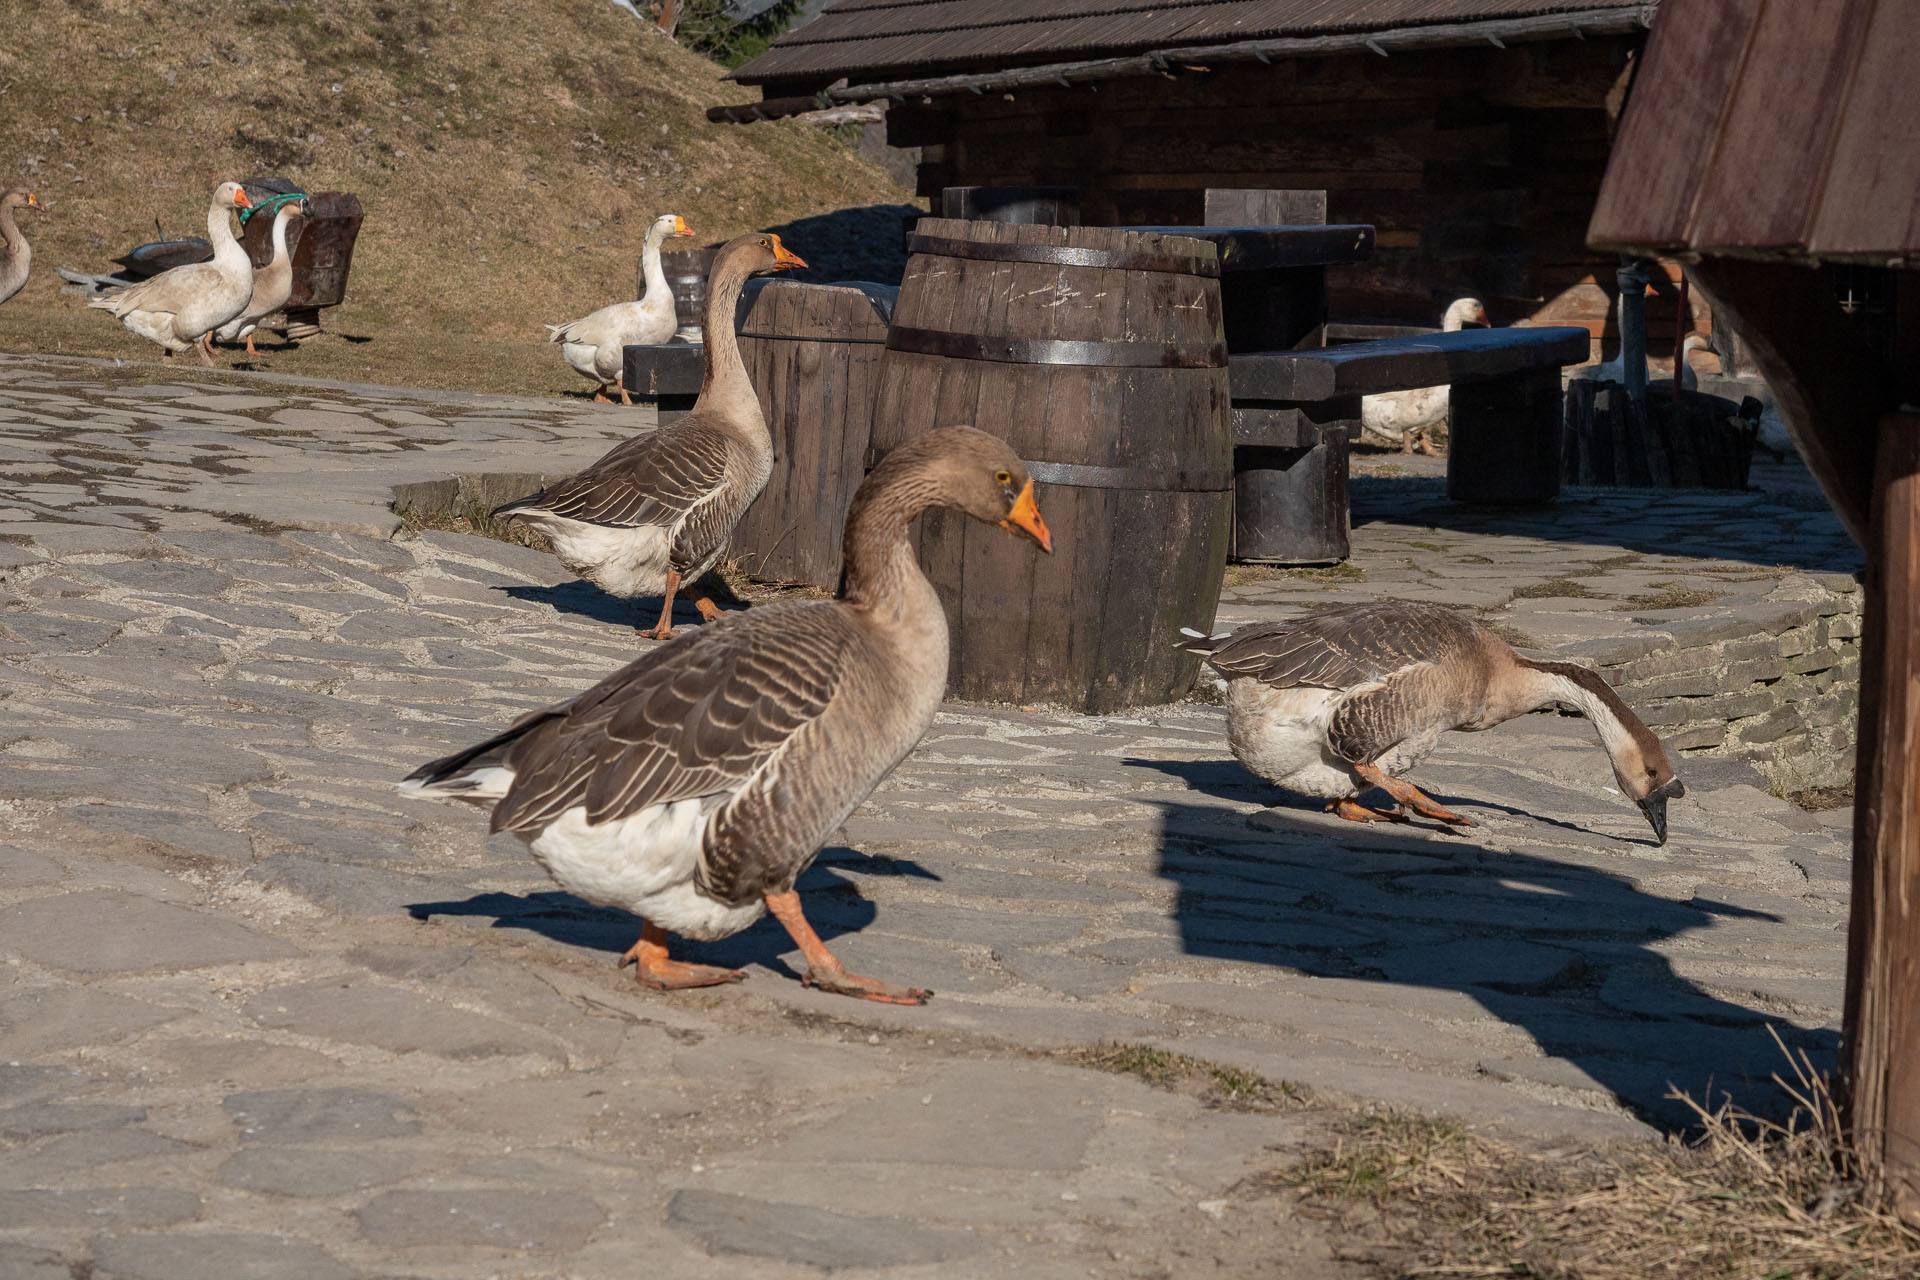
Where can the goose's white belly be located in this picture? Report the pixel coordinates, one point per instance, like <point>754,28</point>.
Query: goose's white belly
<point>1281,734</point>
<point>644,863</point>
<point>155,326</point>
<point>624,562</point>
<point>585,359</point>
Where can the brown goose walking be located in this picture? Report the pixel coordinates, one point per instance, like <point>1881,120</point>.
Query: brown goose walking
<point>1332,704</point>
<point>694,785</point>
<point>657,510</point>
<point>16,255</point>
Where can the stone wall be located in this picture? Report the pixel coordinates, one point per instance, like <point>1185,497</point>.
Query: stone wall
<point>1776,682</point>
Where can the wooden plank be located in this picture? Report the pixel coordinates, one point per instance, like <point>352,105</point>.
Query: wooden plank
<point>1881,1040</point>
<point>1764,182</point>
<point>1871,200</point>
<point>1681,93</point>
<point>1273,248</point>
<point>1399,364</point>
<point>1263,207</point>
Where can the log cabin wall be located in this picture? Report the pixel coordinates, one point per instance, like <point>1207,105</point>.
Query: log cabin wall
<point>1479,167</point>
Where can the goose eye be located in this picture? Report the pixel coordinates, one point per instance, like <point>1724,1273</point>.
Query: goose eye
<point>1002,477</point>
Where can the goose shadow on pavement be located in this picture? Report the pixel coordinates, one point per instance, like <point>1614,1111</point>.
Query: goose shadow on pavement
<point>1560,950</point>
<point>833,905</point>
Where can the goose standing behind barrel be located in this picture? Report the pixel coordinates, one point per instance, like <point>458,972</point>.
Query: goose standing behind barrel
<point>595,345</point>
<point>1338,702</point>
<point>657,510</point>
<point>693,786</point>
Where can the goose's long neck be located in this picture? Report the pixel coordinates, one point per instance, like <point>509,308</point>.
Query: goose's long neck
<point>226,250</point>
<point>1545,684</point>
<point>280,221</point>
<point>882,575</point>
<point>10,232</point>
<point>724,382</point>
<point>653,276</point>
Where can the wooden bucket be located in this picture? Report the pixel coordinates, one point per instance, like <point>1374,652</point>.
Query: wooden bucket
<point>1098,354</point>
<point>813,352</point>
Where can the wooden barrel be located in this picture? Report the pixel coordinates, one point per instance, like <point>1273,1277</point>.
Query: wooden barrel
<point>686,271</point>
<point>813,352</point>
<point>1098,354</point>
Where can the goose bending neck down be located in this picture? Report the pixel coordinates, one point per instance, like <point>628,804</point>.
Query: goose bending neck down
<point>180,309</point>
<point>1349,699</point>
<point>595,345</point>
<point>16,255</point>
<point>657,510</point>
<point>692,787</point>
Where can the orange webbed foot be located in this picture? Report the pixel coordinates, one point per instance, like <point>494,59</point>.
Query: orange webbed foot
<point>1353,811</point>
<point>654,969</point>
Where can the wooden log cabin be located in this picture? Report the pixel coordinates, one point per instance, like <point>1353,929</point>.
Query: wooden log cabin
<point>1819,98</point>
<point>1472,134</point>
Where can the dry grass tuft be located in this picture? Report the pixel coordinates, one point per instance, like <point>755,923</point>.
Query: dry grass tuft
<point>1821,799</point>
<point>1244,575</point>
<point>1670,595</point>
<point>1215,1083</point>
<point>1556,589</point>
<point>1749,1199</point>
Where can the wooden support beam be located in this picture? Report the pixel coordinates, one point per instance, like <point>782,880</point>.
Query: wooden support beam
<point>1828,387</point>
<point>1881,1068</point>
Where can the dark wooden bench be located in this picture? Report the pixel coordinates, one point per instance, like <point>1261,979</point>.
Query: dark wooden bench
<point>1295,412</point>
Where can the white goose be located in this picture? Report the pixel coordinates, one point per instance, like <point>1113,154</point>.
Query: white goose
<point>593,344</point>
<point>180,309</point>
<point>272,284</point>
<point>1403,418</point>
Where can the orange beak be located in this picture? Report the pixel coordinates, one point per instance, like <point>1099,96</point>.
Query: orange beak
<point>33,201</point>
<point>680,227</point>
<point>785,259</point>
<point>240,200</point>
<point>1025,516</point>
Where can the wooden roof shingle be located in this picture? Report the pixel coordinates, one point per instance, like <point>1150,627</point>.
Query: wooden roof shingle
<point>877,39</point>
<point>1770,127</point>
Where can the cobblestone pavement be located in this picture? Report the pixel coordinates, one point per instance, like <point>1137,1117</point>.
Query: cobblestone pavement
<point>262,1017</point>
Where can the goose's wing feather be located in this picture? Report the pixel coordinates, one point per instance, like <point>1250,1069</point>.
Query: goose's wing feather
<point>168,291</point>
<point>1342,648</point>
<point>1414,702</point>
<point>703,716</point>
<point>1398,664</point>
<point>654,479</point>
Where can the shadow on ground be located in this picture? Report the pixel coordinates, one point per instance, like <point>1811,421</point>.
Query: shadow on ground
<point>1649,525</point>
<point>1562,951</point>
<point>832,901</point>
<point>584,600</point>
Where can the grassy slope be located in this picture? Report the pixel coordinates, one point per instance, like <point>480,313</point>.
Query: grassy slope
<point>509,154</point>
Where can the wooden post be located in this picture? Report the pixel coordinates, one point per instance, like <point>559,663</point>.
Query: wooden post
<point>1680,328</point>
<point>1881,1069</point>
<point>1632,280</point>
<point>1503,444</point>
